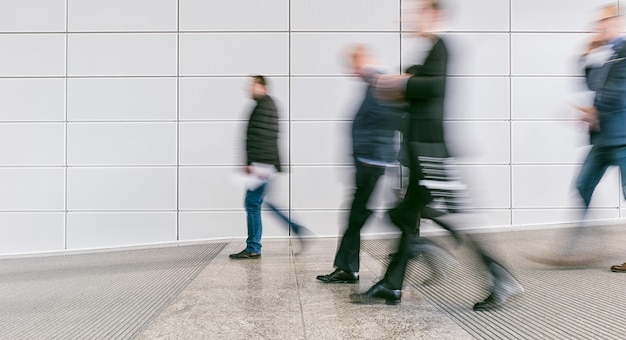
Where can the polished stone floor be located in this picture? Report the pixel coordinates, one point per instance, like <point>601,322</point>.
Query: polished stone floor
<point>278,297</point>
<point>194,291</point>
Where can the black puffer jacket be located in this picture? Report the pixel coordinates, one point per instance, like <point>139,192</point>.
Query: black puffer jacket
<point>262,133</point>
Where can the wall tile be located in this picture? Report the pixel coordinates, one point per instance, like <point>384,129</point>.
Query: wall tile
<point>122,15</point>
<point>321,187</point>
<point>234,15</point>
<point>554,15</point>
<point>548,98</point>
<point>329,15</point>
<point>39,144</point>
<point>115,229</point>
<point>98,189</point>
<point>121,99</point>
<point>122,54</point>
<point>551,142</point>
<point>316,143</point>
<point>32,232</point>
<point>479,142</point>
<point>546,54</point>
<point>28,55</point>
<point>478,98</point>
<point>121,144</point>
<point>32,99</point>
<point>231,54</point>
<point>32,16</point>
<point>27,189</point>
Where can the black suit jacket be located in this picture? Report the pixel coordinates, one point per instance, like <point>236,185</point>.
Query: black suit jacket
<point>425,93</point>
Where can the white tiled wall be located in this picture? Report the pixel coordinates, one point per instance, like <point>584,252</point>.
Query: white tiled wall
<point>121,121</point>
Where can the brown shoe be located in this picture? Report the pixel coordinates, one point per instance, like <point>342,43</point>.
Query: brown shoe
<point>244,255</point>
<point>619,268</point>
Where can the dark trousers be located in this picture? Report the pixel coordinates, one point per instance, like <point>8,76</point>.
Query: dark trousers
<point>406,216</point>
<point>347,257</point>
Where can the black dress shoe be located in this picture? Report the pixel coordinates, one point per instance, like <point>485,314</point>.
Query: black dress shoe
<point>339,276</point>
<point>244,255</point>
<point>377,294</point>
<point>490,303</point>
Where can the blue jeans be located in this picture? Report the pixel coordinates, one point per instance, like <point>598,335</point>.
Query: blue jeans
<point>254,200</point>
<point>594,167</point>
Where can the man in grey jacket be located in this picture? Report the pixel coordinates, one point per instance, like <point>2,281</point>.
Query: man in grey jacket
<point>373,148</point>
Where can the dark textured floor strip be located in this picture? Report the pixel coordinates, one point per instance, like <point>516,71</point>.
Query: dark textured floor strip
<point>110,295</point>
<point>558,303</point>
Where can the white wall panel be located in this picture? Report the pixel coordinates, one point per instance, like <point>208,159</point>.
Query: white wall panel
<point>479,142</point>
<point>32,16</point>
<point>321,143</point>
<point>554,15</point>
<point>345,15</point>
<point>121,144</point>
<point>32,55</point>
<point>241,54</point>
<point>33,99</point>
<point>32,189</point>
<point>196,225</point>
<point>234,15</point>
<point>227,98</point>
<point>108,229</point>
<point>210,188</point>
<point>551,142</point>
<point>121,188</point>
<point>548,98</point>
<point>306,58</point>
<point>32,232</point>
<point>122,15</point>
<point>554,186</point>
<point>131,54</point>
<point>28,144</point>
<point>121,99</point>
<point>477,15</point>
<point>321,187</point>
<point>551,216</point>
<point>478,98</point>
<point>326,98</point>
<point>484,54</point>
<point>212,143</point>
<point>488,186</point>
<point>549,54</point>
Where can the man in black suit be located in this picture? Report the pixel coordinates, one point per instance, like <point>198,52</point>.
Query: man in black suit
<point>424,90</point>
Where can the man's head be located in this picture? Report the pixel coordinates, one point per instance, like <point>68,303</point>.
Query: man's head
<point>258,87</point>
<point>428,16</point>
<point>358,56</point>
<point>608,22</point>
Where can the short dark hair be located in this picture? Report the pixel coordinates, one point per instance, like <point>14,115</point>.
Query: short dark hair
<point>434,4</point>
<point>260,80</point>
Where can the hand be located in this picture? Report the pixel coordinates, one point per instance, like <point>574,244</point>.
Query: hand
<point>595,42</point>
<point>248,169</point>
<point>590,114</point>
